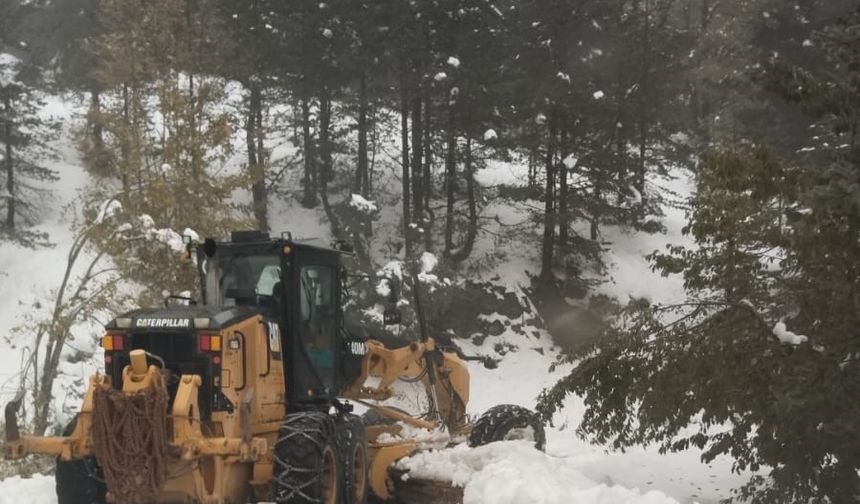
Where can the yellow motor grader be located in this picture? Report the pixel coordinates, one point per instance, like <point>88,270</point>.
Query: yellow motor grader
<point>247,397</point>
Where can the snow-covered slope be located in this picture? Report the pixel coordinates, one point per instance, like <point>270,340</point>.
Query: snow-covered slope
<point>28,278</point>
<point>570,471</point>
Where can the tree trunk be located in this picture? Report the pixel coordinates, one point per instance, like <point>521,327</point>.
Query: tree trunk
<point>427,185</point>
<point>10,171</point>
<point>125,147</point>
<point>309,199</point>
<point>534,157</point>
<point>450,173</point>
<point>334,222</point>
<point>705,16</point>
<point>404,147</point>
<point>417,155</point>
<point>97,134</point>
<point>326,169</point>
<point>639,180</point>
<point>361,174</point>
<point>472,230</point>
<point>563,216</point>
<point>256,163</point>
<point>546,274</point>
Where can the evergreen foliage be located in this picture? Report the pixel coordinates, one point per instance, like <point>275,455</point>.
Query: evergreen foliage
<point>25,154</point>
<point>777,245</point>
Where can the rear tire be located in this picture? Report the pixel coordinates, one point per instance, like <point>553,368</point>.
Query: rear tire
<point>373,417</point>
<point>306,460</point>
<point>508,422</point>
<point>79,481</point>
<point>352,443</point>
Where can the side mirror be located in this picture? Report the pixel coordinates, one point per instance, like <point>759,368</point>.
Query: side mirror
<point>209,247</point>
<point>391,316</point>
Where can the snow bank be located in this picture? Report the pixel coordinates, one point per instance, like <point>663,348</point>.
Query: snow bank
<point>502,173</point>
<point>9,66</point>
<point>513,472</point>
<point>785,336</point>
<point>428,262</point>
<point>36,490</point>
<point>362,205</point>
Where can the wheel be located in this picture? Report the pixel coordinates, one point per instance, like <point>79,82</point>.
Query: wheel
<point>79,481</point>
<point>306,460</point>
<point>507,422</point>
<point>374,417</point>
<point>352,443</point>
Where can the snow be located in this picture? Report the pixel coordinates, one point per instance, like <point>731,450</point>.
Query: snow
<point>36,490</point>
<point>497,173</point>
<point>490,134</point>
<point>362,205</point>
<point>787,337</point>
<point>191,234</point>
<point>393,269</point>
<point>28,279</point>
<point>514,472</point>
<point>428,262</point>
<point>454,62</point>
<point>383,288</point>
<point>108,209</point>
<point>571,470</point>
<point>168,237</point>
<point>681,476</point>
<point>9,65</point>
<point>146,221</point>
<point>630,273</point>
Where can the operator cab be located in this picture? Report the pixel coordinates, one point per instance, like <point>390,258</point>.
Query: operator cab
<point>295,285</point>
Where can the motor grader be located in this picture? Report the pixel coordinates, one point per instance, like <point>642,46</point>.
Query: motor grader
<point>247,396</point>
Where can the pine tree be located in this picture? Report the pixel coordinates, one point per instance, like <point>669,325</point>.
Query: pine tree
<point>763,357</point>
<point>24,137</point>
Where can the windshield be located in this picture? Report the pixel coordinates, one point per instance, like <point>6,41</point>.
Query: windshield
<point>243,280</point>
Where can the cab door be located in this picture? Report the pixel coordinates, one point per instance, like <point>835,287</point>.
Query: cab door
<point>316,319</point>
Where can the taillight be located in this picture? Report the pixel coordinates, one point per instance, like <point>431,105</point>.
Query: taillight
<point>113,342</point>
<point>210,343</point>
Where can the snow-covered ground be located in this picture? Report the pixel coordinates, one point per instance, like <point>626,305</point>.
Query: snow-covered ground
<point>639,475</point>
<point>570,470</point>
<point>28,278</point>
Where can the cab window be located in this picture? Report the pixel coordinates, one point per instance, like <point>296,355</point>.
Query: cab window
<point>242,280</point>
<point>318,318</point>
